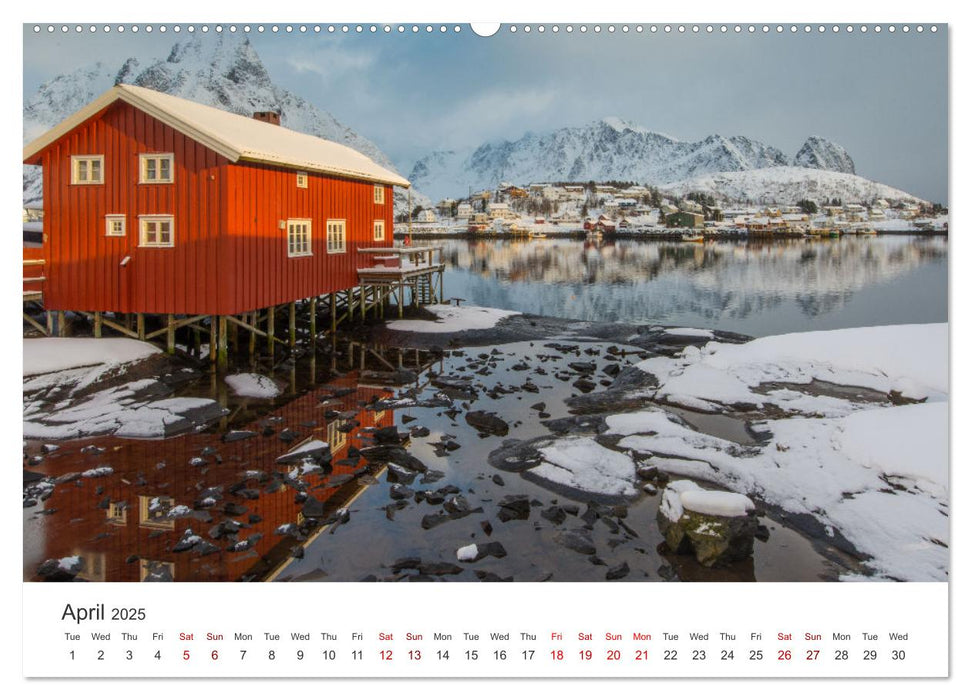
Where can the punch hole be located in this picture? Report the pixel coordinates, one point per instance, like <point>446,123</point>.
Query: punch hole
<point>485,29</point>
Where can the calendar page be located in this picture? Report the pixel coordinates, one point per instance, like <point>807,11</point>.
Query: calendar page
<point>543,349</point>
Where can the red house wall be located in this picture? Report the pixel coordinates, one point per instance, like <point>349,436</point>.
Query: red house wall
<point>258,198</point>
<point>230,256</point>
<point>84,271</point>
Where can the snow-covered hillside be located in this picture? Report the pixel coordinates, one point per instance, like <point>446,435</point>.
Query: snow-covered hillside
<point>787,185</point>
<point>223,71</point>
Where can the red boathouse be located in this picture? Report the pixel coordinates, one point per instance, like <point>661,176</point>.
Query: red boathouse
<point>158,206</point>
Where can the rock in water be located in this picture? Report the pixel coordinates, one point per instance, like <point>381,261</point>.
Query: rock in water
<point>514,508</point>
<point>488,423</point>
<point>717,526</point>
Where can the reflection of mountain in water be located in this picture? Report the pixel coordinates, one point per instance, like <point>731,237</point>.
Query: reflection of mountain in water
<point>669,282</point>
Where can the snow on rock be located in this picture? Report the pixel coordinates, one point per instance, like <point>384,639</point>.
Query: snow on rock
<point>253,385</point>
<point>721,503</point>
<point>716,526</point>
<point>468,553</point>
<point>453,319</point>
<point>118,410</point>
<point>690,332</point>
<point>45,355</point>
<point>909,359</point>
<point>584,465</point>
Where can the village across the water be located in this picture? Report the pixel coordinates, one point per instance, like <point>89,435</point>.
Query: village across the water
<point>628,209</point>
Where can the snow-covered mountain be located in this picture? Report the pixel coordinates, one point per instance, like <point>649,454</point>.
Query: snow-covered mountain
<point>608,149</point>
<point>823,154</point>
<point>222,71</point>
<point>787,185</point>
<point>613,149</point>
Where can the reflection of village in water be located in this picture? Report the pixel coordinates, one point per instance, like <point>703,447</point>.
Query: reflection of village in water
<point>235,490</point>
<point>757,286</point>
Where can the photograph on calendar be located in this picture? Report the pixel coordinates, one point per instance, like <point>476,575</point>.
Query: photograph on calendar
<point>561,303</point>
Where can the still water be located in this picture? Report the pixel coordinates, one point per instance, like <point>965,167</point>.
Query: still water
<point>753,287</point>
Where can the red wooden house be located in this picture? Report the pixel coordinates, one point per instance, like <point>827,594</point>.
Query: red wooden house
<point>158,205</point>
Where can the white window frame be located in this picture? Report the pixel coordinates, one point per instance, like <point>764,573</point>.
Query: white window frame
<point>155,522</point>
<point>341,226</point>
<point>76,162</point>
<point>379,225</point>
<point>157,219</point>
<point>379,194</point>
<point>144,158</point>
<point>111,219</point>
<point>302,179</point>
<point>299,251</point>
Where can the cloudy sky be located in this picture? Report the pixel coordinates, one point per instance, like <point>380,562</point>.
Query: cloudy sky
<point>882,96</point>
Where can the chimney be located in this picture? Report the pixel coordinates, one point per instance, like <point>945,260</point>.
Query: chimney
<point>268,117</point>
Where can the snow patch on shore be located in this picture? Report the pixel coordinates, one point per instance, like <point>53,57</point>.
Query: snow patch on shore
<point>44,355</point>
<point>876,473</point>
<point>453,319</point>
<point>909,359</point>
<point>584,465</point>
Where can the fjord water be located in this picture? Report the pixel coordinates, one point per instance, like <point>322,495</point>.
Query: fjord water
<point>755,287</point>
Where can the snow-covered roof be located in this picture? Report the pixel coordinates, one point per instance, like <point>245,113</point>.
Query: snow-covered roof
<point>236,137</point>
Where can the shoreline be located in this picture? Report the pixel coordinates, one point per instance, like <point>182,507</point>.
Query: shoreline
<point>673,236</point>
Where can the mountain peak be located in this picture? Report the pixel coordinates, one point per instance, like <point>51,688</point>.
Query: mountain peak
<point>821,153</point>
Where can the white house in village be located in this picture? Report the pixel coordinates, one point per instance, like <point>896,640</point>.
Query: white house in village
<point>463,211</point>
<point>426,216</point>
<point>498,210</point>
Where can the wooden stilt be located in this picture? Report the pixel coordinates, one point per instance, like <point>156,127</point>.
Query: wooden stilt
<point>333,313</point>
<point>270,328</point>
<point>292,318</point>
<point>313,319</point>
<point>401,299</point>
<point>252,334</point>
<point>197,342</point>
<point>61,329</point>
<point>170,335</point>
<point>140,326</point>
<point>441,286</point>
<point>50,323</point>
<point>223,351</point>
<point>97,324</point>
<point>213,330</point>
<point>233,337</point>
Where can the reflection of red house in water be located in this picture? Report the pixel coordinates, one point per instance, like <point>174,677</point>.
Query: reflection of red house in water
<point>124,542</point>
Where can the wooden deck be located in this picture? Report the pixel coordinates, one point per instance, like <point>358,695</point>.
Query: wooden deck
<point>399,268</point>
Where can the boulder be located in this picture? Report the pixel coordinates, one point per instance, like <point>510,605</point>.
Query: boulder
<point>487,423</point>
<point>718,527</point>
